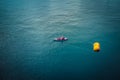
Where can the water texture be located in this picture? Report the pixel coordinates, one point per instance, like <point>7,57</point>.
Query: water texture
<point>27,30</point>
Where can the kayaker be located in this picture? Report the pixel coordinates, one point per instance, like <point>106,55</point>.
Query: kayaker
<point>62,38</point>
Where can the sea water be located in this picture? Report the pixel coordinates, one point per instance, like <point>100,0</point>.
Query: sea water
<point>27,30</point>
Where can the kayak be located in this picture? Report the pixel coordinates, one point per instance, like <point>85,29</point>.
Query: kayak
<point>58,39</point>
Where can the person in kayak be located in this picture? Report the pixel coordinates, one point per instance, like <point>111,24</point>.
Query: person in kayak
<point>61,38</point>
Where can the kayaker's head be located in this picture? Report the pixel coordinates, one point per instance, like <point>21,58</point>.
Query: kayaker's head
<point>63,38</point>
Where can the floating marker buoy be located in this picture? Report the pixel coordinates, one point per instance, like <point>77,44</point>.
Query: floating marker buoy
<point>96,46</point>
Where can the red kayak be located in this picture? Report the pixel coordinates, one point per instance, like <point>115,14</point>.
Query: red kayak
<point>61,39</point>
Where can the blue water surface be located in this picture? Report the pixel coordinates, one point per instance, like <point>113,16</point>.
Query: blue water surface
<point>27,30</point>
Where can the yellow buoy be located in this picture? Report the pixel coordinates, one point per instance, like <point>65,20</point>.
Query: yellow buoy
<point>96,46</point>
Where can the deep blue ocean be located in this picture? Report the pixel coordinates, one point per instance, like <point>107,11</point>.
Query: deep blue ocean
<point>27,30</point>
